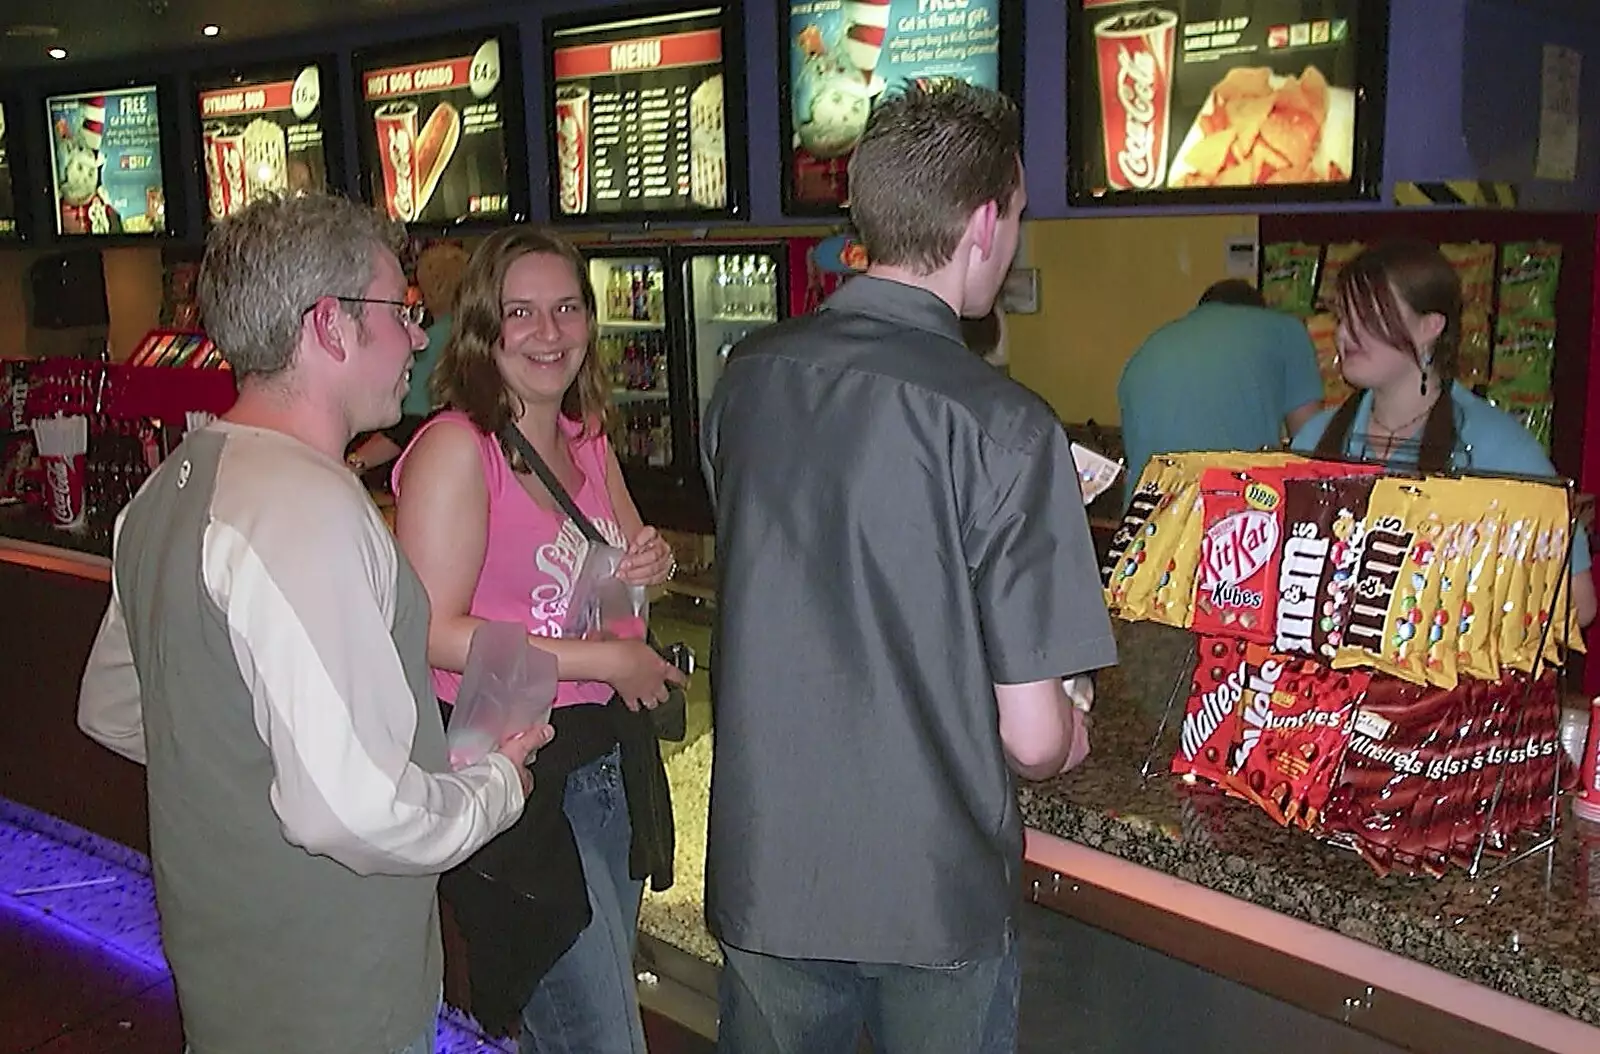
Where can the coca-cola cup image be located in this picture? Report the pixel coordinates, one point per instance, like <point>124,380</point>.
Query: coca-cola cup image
<point>572,147</point>
<point>1134,52</point>
<point>227,146</point>
<point>397,150</point>
<point>63,443</point>
<point>216,204</point>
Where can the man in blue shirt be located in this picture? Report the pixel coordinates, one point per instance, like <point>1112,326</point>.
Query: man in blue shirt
<point>1230,375</point>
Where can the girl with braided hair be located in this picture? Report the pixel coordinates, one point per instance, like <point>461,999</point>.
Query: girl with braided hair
<point>1399,311</point>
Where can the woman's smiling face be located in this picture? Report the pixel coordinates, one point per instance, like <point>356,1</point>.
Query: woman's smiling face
<point>544,327</point>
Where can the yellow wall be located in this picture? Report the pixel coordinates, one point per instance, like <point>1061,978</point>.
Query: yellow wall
<point>133,296</point>
<point>1104,285</point>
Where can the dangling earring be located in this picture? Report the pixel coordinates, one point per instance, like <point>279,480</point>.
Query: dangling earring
<point>1424,384</point>
<point>1427,362</point>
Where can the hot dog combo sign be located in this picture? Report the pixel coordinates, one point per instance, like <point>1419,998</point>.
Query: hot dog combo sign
<point>433,135</point>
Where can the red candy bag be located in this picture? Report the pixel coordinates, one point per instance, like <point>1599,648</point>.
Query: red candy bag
<point>1236,592</point>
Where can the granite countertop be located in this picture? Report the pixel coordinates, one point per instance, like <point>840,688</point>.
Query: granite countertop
<point>1528,930</point>
<point>26,524</point>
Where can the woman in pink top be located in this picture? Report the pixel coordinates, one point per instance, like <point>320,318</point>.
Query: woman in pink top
<point>490,543</point>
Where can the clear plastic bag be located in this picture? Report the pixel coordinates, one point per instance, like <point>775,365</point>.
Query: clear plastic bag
<point>602,606</point>
<point>509,686</point>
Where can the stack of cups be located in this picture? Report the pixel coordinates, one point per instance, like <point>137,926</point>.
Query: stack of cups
<point>1587,804</point>
<point>63,443</point>
<point>193,420</point>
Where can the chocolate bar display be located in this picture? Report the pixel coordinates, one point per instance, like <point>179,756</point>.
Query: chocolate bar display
<point>1375,654</point>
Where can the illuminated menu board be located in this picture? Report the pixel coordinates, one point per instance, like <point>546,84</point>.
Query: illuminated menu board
<point>105,162</point>
<point>8,194</point>
<point>433,129</point>
<point>1188,98</point>
<point>261,134</point>
<point>640,116</point>
<point>842,55</point>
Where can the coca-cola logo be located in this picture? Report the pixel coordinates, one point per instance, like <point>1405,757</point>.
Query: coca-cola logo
<point>1236,547</point>
<point>1136,92</point>
<point>59,479</point>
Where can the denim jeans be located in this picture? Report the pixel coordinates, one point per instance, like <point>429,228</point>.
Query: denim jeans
<point>810,1006</point>
<point>588,1003</point>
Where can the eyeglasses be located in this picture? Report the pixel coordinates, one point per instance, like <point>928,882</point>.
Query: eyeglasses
<point>412,313</point>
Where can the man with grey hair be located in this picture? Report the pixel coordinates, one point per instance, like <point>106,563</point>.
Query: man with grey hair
<point>265,656</point>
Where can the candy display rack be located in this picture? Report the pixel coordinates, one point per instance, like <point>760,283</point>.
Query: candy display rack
<point>1468,790</point>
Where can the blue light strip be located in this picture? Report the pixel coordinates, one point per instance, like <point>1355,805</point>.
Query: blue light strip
<point>85,889</point>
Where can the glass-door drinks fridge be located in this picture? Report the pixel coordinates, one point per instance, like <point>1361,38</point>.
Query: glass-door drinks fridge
<point>731,294</point>
<point>668,315</point>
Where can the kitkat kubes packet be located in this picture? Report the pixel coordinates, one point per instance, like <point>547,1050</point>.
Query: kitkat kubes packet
<point>1239,552</point>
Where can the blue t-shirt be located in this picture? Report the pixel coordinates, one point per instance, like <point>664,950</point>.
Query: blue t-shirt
<point>1488,440</point>
<point>419,401</point>
<point>1222,377</point>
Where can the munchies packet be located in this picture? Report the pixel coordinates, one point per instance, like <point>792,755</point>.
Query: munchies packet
<point>1293,739</point>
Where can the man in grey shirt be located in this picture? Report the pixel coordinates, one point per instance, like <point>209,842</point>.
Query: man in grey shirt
<point>265,656</point>
<point>906,578</point>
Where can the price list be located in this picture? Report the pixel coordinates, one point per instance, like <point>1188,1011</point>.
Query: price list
<point>641,145</point>
<point>638,121</point>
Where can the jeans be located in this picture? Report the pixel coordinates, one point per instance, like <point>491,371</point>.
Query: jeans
<point>588,1003</point>
<point>771,1005</point>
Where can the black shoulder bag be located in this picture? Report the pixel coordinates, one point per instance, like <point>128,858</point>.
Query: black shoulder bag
<point>671,717</point>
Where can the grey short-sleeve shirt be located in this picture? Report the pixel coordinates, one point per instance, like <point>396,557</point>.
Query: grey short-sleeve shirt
<point>899,528</point>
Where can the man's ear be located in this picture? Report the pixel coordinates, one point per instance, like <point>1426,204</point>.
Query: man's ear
<point>981,227</point>
<point>327,322</point>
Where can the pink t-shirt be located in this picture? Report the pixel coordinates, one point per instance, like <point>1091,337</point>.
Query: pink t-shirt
<point>532,557</point>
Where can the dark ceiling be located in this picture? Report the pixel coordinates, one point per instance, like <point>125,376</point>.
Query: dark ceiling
<point>94,31</point>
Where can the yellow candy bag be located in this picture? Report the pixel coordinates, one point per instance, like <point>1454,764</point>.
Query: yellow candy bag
<point>1477,644</point>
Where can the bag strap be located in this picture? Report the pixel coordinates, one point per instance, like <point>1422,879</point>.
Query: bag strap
<point>519,442</point>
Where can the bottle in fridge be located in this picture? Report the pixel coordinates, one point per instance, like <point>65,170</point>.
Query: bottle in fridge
<point>732,293</point>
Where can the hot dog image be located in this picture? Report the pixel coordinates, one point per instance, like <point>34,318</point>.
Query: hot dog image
<point>436,145</point>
